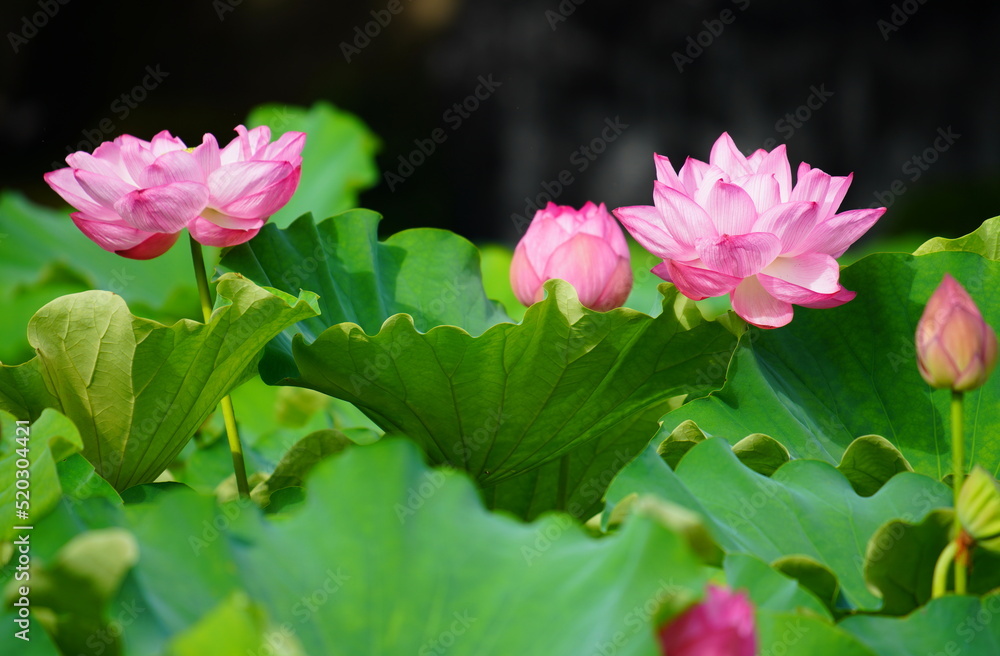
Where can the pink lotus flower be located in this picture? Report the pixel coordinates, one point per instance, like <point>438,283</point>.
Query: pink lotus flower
<point>736,225</point>
<point>956,348</point>
<point>721,625</point>
<point>135,196</point>
<point>584,247</point>
<point>248,181</point>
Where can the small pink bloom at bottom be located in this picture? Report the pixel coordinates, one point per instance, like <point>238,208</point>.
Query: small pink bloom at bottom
<point>720,625</point>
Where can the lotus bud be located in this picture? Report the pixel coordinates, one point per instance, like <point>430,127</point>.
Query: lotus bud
<point>956,348</point>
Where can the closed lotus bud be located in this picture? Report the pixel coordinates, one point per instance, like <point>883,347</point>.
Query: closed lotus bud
<point>723,624</point>
<point>956,348</point>
<point>978,508</point>
<point>584,247</point>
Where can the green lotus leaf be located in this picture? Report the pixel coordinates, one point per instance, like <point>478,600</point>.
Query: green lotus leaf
<point>138,390</point>
<point>385,556</point>
<point>949,625</point>
<point>520,396</point>
<point>431,275</point>
<point>984,240</point>
<point>542,413</point>
<point>805,509</point>
<point>869,462</point>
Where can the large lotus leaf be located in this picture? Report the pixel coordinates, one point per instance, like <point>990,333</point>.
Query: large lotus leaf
<point>432,275</point>
<point>338,161</point>
<point>137,390</point>
<point>833,375</point>
<point>950,625</point>
<point>984,240</point>
<point>806,508</point>
<point>573,390</point>
<point>387,556</point>
<point>521,396</point>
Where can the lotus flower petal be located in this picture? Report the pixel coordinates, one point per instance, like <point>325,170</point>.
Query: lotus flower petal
<point>752,302</point>
<point>168,208</point>
<point>210,234</point>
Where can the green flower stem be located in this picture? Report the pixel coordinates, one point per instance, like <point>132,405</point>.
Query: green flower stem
<point>940,580</point>
<point>228,413</point>
<point>958,476</point>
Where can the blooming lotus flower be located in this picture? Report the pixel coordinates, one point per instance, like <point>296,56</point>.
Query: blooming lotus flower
<point>584,247</point>
<point>956,348</point>
<point>248,181</point>
<point>721,625</point>
<point>135,196</point>
<point>736,225</point>
<point>130,198</point>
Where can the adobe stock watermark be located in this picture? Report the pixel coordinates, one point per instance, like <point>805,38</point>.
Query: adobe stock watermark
<point>795,119</point>
<point>418,494</point>
<point>282,639</point>
<point>226,513</point>
<point>697,43</point>
<point>454,117</point>
<point>223,7</point>
<point>900,14</point>
<point>562,12</point>
<point>363,35</point>
<point>30,25</point>
<point>637,619</point>
<point>585,493</point>
<point>580,160</point>
<point>789,638</point>
<point>443,643</point>
<point>878,547</point>
<point>102,640</point>
<point>916,166</point>
<point>121,107</point>
<point>972,626</point>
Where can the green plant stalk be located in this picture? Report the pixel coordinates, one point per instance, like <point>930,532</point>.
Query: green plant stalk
<point>940,580</point>
<point>228,413</point>
<point>958,476</point>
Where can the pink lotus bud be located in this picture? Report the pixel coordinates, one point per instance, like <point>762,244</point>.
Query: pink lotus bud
<point>135,196</point>
<point>584,247</point>
<point>721,625</point>
<point>956,348</point>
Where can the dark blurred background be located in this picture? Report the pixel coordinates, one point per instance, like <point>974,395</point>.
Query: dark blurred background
<point>905,94</point>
